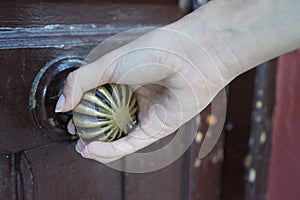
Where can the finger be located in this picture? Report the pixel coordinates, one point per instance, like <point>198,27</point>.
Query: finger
<point>134,63</point>
<point>71,127</point>
<point>106,152</point>
<point>79,146</point>
<point>86,154</point>
<point>123,71</point>
<point>152,128</point>
<point>77,82</point>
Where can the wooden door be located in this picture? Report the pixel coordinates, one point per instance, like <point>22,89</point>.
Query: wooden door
<point>40,43</point>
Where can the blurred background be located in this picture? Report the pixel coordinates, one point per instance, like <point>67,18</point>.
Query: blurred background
<point>256,157</point>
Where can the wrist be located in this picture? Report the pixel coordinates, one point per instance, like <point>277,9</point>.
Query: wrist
<point>239,35</point>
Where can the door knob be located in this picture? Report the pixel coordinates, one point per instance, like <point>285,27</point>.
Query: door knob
<point>106,113</point>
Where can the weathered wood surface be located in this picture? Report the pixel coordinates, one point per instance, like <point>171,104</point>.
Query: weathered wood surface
<point>284,173</point>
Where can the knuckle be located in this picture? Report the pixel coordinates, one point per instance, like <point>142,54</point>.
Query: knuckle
<point>71,78</point>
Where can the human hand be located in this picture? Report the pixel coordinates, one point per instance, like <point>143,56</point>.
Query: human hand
<point>178,69</point>
<point>169,85</point>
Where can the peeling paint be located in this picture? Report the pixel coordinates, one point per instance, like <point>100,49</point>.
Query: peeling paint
<point>33,103</point>
<point>259,104</point>
<point>262,137</point>
<point>198,137</point>
<point>58,35</point>
<point>248,160</point>
<point>252,175</point>
<point>197,163</point>
<point>52,122</point>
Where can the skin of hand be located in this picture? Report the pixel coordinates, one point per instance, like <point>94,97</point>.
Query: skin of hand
<point>178,69</point>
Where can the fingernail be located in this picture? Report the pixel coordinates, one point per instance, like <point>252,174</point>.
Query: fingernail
<point>86,154</point>
<point>77,149</point>
<point>71,128</point>
<point>60,103</point>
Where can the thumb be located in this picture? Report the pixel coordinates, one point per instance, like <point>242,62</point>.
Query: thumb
<point>126,65</point>
<point>77,82</point>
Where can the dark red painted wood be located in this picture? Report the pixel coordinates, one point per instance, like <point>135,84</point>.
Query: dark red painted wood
<point>7,182</point>
<point>43,165</point>
<point>60,173</point>
<point>48,14</point>
<point>204,175</point>
<point>162,184</point>
<point>19,69</point>
<point>208,175</point>
<point>237,130</point>
<point>285,163</point>
<point>258,158</point>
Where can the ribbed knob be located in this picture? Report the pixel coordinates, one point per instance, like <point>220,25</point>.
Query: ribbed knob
<point>106,113</point>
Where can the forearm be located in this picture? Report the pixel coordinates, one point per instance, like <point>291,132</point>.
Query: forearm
<point>238,34</point>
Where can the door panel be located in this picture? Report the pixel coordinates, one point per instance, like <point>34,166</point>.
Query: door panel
<point>73,177</point>
<point>30,14</point>
<point>37,156</point>
<point>162,184</point>
<point>19,129</point>
<point>6,180</point>
<point>17,74</point>
<point>38,163</point>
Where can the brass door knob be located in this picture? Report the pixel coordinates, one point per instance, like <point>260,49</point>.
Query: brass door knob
<point>106,113</point>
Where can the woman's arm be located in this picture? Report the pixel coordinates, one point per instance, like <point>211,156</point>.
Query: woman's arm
<point>194,57</point>
<point>240,34</point>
